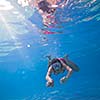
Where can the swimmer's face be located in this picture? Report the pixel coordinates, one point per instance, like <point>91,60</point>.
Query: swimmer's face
<point>58,70</point>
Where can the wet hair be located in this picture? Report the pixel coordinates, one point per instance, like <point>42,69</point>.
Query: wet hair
<point>54,60</point>
<point>44,6</point>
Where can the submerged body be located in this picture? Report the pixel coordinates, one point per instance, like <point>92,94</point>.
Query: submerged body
<point>57,66</point>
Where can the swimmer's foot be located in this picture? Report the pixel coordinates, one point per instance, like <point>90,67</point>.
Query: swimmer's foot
<point>66,57</point>
<point>48,56</point>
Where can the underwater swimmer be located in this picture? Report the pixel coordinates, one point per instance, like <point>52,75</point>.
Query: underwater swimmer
<point>57,66</point>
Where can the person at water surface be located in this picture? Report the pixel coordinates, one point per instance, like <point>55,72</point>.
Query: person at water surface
<point>46,8</point>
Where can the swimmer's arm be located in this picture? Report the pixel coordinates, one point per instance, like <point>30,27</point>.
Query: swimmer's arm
<point>64,3</point>
<point>68,69</point>
<point>48,75</point>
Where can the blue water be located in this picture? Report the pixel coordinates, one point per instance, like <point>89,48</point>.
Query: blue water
<point>23,49</point>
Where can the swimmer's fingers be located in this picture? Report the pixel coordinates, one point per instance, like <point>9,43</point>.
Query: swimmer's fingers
<point>49,84</point>
<point>63,79</point>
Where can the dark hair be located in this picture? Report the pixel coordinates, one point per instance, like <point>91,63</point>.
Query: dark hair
<point>44,6</point>
<point>54,60</point>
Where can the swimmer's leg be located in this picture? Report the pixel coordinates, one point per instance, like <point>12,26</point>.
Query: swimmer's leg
<point>49,57</point>
<point>71,64</point>
<point>66,57</point>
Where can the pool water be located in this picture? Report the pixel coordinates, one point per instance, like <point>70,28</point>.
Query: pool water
<point>23,48</point>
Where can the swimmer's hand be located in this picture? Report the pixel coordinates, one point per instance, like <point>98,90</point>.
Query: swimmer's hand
<point>63,80</point>
<point>54,6</point>
<point>61,5</point>
<point>49,84</point>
